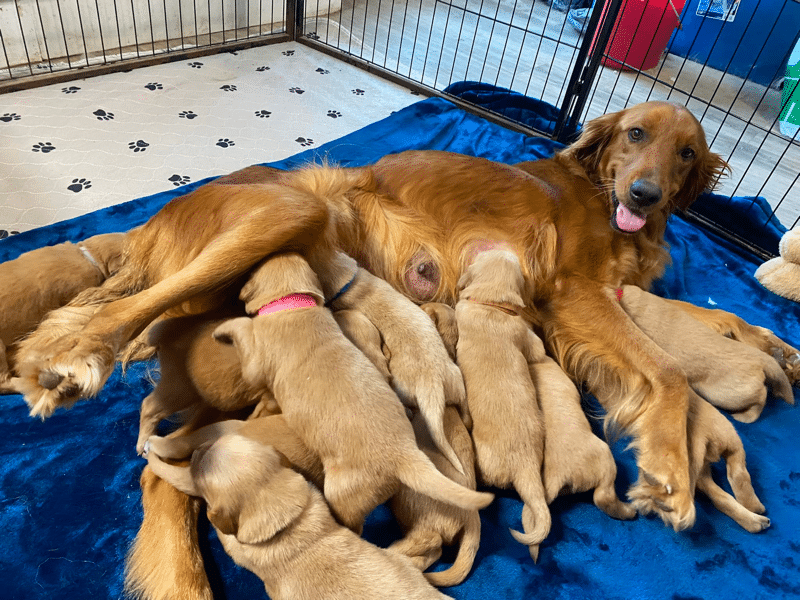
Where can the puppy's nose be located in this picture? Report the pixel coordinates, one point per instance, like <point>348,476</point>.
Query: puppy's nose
<point>644,193</point>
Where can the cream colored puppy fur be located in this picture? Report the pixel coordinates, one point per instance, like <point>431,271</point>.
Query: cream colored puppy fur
<point>43,280</point>
<point>428,523</point>
<point>366,337</point>
<point>495,351</point>
<point>712,437</point>
<point>422,373</point>
<point>195,369</point>
<point>575,459</point>
<point>727,373</point>
<point>333,397</point>
<point>271,521</point>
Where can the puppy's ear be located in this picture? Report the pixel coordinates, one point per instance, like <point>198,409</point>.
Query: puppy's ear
<point>179,477</point>
<point>273,507</point>
<point>223,519</point>
<point>236,332</point>
<point>703,177</point>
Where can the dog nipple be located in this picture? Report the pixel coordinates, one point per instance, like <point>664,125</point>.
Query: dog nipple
<point>422,277</point>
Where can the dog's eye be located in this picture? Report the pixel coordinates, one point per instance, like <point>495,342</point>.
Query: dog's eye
<point>687,154</point>
<point>636,135</point>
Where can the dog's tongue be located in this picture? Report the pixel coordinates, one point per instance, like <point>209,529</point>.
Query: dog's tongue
<point>627,221</point>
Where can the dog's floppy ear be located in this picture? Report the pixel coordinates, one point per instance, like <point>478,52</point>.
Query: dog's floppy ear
<point>236,332</point>
<point>179,477</point>
<point>588,149</point>
<point>703,177</point>
<point>273,507</point>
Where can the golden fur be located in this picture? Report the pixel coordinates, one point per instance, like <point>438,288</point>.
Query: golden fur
<point>560,216</point>
<point>575,459</point>
<point>368,449</point>
<point>43,280</point>
<point>726,372</point>
<point>495,351</point>
<point>271,521</point>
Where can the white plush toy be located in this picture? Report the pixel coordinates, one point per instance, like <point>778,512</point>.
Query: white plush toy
<point>782,274</point>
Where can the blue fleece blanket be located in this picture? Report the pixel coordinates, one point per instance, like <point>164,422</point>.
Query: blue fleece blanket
<point>70,500</point>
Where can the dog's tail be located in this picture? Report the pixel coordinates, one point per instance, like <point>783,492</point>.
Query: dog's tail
<point>536,518</point>
<point>470,541</point>
<point>419,473</point>
<point>164,562</point>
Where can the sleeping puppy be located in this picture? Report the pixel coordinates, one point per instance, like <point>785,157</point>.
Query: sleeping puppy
<point>359,329</point>
<point>727,373</point>
<point>331,395</point>
<point>422,373</point>
<point>575,459</point>
<point>196,369</point>
<point>271,521</point>
<point>444,318</point>
<point>44,280</point>
<point>429,523</point>
<point>495,350</point>
<point>712,437</point>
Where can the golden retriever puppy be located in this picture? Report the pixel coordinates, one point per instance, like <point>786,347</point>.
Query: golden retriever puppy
<point>728,373</point>
<point>712,437</point>
<point>430,523</point>
<point>495,350</point>
<point>46,279</point>
<point>331,395</point>
<point>422,373</point>
<point>196,369</point>
<point>444,318</point>
<point>271,521</point>
<point>575,459</point>
<point>365,336</point>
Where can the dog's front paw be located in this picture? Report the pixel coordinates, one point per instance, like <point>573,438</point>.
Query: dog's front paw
<point>661,495</point>
<point>72,368</point>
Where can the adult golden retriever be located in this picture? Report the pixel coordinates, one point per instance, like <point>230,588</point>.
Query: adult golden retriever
<point>583,223</point>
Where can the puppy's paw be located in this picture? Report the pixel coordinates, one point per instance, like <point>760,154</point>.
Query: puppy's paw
<point>658,494</point>
<point>754,523</point>
<point>72,368</point>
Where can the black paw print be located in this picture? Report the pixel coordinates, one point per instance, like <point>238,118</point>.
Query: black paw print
<point>70,90</point>
<point>196,65</point>
<point>154,86</point>
<point>334,114</point>
<point>178,180</point>
<point>322,71</point>
<point>103,115</point>
<point>297,90</point>
<point>312,35</point>
<point>288,52</point>
<point>43,147</point>
<point>260,69</point>
<point>138,145</point>
<point>4,234</point>
<point>228,88</point>
<point>264,114</point>
<point>79,185</point>
<point>304,141</point>
<point>187,114</point>
<point>8,117</point>
<point>225,142</point>
<point>358,92</point>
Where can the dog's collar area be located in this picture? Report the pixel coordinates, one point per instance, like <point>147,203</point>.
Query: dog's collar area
<point>618,294</point>
<point>88,256</point>
<point>506,307</point>
<point>342,291</point>
<point>290,302</point>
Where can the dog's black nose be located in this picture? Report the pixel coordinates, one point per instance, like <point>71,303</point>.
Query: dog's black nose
<point>644,193</point>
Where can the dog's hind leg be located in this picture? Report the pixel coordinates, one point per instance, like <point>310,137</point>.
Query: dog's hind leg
<point>423,547</point>
<point>78,365</point>
<point>728,505</point>
<point>164,562</point>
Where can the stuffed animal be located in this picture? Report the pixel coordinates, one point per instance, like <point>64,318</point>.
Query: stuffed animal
<point>781,275</point>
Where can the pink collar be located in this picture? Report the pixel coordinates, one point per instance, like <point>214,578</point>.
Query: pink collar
<point>289,302</point>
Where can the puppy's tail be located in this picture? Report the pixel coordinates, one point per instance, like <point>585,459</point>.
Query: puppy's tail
<point>470,541</point>
<point>536,518</point>
<point>419,473</point>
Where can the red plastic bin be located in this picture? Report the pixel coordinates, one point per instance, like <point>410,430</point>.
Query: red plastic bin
<point>641,33</point>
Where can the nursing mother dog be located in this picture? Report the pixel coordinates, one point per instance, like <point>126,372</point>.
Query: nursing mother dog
<point>587,221</point>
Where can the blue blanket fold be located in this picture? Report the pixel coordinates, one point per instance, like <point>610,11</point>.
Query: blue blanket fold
<point>69,492</point>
